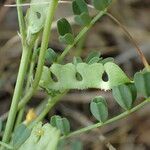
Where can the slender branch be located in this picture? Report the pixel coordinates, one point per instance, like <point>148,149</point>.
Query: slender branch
<point>139,51</point>
<point>17,93</point>
<point>41,60</point>
<point>121,116</point>
<point>79,47</point>
<point>21,76</point>
<point>32,65</point>
<point>21,112</point>
<point>81,34</point>
<point>21,22</point>
<point>51,102</point>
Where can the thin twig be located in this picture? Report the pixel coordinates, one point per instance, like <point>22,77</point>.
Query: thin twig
<point>80,117</point>
<point>116,118</point>
<point>139,51</point>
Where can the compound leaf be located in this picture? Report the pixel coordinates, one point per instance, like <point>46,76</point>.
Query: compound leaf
<point>91,75</point>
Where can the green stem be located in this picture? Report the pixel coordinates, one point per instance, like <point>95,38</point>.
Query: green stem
<point>30,75</point>
<point>49,105</point>
<point>52,102</point>
<point>33,58</point>
<point>80,45</point>
<point>21,76</point>
<point>123,115</point>
<point>21,22</point>
<point>19,117</point>
<point>81,34</point>
<point>41,60</point>
<point>17,94</point>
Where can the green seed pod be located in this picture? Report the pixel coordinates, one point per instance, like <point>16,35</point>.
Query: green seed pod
<point>142,83</point>
<point>61,123</point>
<point>125,95</point>
<point>99,108</point>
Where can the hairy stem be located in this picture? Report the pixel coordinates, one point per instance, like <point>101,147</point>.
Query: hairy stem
<point>17,94</point>
<point>32,65</point>
<point>21,22</point>
<point>80,35</point>
<point>80,45</point>
<point>21,111</point>
<point>41,60</point>
<point>20,79</point>
<point>121,116</point>
<point>139,51</point>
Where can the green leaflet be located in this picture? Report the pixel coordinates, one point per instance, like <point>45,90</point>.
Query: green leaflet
<point>43,137</point>
<point>99,108</point>
<point>61,123</point>
<point>125,95</point>
<point>141,80</point>
<point>36,16</point>
<point>90,76</point>
<point>81,12</point>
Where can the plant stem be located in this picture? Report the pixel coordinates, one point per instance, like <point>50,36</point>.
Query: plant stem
<point>41,60</point>
<point>21,22</point>
<point>33,58</point>
<point>21,112</point>
<point>20,79</point>
<point>19,117</point>
<point>17,94</point>
<point>139,51</point>
<point>80,35</point>
<point>80,45</point>
<point>51,102</point>
<point>123,115</point>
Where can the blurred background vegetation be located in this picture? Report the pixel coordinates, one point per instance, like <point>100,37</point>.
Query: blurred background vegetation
<point>132,133</point>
